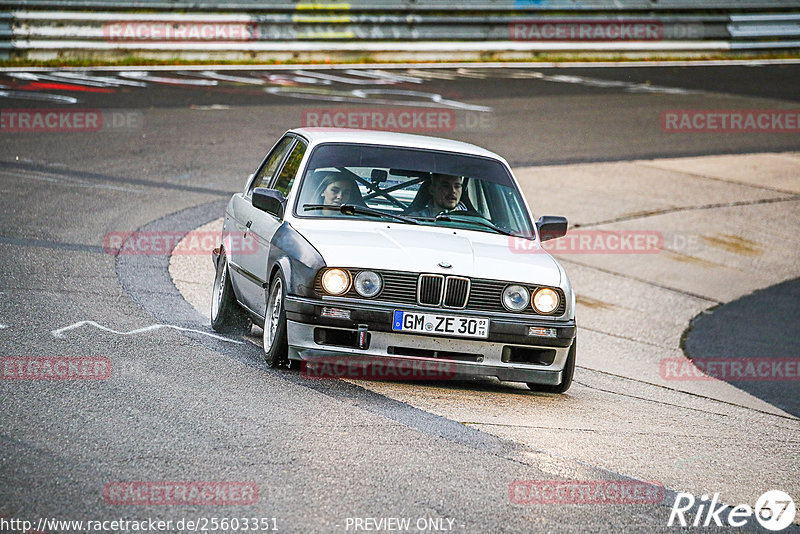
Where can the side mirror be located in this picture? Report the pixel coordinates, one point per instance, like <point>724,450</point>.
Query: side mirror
<point>269,200</point>
<point>551,227</point>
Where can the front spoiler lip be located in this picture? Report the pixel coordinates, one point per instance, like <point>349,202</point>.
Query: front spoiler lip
<point>459,370</point>
<point>303,346</point>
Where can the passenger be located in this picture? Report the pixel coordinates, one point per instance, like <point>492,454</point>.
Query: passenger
<point>334,189</point>
<point>445,191</point>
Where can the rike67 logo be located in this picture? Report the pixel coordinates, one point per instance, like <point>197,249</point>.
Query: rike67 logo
<point>774,511</point>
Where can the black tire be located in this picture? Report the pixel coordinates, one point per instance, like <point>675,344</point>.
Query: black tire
<point>276,348</point>
<point>566,377</point>
<point>227,316</point>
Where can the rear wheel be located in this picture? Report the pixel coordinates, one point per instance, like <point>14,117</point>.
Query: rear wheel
<point>275,345</point>
<point>226,315</point>
<point>566,375</point>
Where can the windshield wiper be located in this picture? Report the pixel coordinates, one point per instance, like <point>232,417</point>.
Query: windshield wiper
<point>448,216</point>
<point>352,209</point>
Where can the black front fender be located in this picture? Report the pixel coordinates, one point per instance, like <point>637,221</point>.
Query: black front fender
<point>296,258</point>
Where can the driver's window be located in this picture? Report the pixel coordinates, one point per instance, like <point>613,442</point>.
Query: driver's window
<point>286,177</point>
<point>270,165</point>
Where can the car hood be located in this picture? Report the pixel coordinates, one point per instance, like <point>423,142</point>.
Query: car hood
<point>403,247</point>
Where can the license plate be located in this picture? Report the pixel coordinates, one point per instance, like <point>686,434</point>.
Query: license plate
<point>431,323</point>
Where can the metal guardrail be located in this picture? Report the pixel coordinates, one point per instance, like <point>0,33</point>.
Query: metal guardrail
<point>296,27</point>
<point>764,26</point>
<point>128,30</point>
<point>253,6</point>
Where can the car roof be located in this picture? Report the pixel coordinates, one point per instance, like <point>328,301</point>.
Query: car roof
<point>373,137</point>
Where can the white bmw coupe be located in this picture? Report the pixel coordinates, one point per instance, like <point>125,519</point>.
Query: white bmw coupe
<point>398,248</point>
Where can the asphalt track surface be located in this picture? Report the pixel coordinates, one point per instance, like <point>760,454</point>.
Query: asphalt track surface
<point>183,406</point>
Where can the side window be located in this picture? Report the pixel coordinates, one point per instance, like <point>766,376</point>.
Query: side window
<point>267,170</point>
<point>289,171</point>
<point>477,194</point>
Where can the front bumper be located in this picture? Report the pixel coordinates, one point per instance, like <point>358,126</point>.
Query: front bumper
<point>368,334</point>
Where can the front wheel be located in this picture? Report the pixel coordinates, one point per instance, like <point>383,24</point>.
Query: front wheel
<point>226,314</point>
<point>275,345</point>
<point>566,375</point>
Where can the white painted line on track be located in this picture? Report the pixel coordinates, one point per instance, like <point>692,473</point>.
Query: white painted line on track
<point>361,80</point>
<point>436,99</point>
<point>144,75</point>
<point>432,74</point>
<point>285,79</point>
<point>55,77</point>
<point>225,78</point>
<point>364,96</point>
<point>59,333</point>
<point>628,87</point>
<point>45,97</point>
<point>212,107</point>
<point>109,81</point>
<point>397,78</point>
<point>24,76</point>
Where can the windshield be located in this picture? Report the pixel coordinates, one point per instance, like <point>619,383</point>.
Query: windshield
<point>412,186</point>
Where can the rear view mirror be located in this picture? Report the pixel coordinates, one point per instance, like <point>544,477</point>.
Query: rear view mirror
<point>269,200</point>
<point>551,227</point>
<point>378,176</point>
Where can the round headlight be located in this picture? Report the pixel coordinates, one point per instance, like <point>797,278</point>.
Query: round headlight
<point>515,298</point>
<point>367,284</point>
<point>336,281</point>
<point>545,300</point>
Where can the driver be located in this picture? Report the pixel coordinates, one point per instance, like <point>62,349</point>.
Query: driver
<point>445,191</point>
